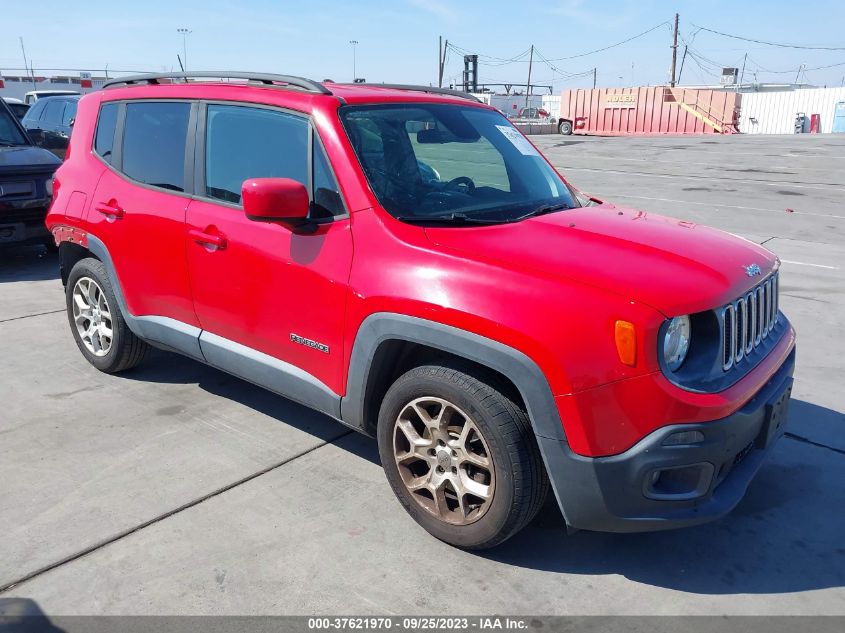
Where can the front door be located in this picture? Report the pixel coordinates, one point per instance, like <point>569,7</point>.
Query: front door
<point>264,285</point>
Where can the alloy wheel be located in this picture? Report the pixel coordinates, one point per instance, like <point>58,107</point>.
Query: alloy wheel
<point>92,316</point>
<point>444,460</point>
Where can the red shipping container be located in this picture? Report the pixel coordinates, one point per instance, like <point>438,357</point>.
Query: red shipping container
<point>651,110</point>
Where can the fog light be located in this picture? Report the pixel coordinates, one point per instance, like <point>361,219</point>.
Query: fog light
<point>679,483</point>
<point>684,437</point>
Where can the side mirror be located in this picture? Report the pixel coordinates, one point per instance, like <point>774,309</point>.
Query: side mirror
<point>275,200</point>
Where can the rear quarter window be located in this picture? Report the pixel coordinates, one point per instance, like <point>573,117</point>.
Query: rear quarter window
<point>104,137</point>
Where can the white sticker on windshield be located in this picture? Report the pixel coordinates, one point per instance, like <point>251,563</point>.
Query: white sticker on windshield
<point>518,140</point>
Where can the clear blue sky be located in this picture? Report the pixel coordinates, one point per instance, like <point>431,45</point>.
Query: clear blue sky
<point>398,39</point>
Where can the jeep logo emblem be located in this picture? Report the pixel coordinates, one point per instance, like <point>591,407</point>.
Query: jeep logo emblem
<point>752,270</point>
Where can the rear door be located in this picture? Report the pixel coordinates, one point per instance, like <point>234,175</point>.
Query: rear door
<point>51,122</point>
<point>64,128</point>
<point>139,206</point>
<point>267,287</point>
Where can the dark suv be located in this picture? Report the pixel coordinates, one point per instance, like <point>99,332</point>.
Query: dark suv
<point>49,122</point>
<point>26,176</point>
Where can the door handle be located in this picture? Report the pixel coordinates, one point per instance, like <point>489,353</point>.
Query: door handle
<point>216,241</point>
<point>110,209</point>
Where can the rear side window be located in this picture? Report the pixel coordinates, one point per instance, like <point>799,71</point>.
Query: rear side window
<point>104,139</point>
<point>34,113</point>
<point>243,142</point>
<point>70,112</point>
<point>53,111</point>
<point>154,140</point>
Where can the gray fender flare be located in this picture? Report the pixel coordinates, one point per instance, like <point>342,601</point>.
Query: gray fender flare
<point>516,366</point>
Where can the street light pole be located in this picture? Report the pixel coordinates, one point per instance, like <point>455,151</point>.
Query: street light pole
<point>185,33</point>
<point>354,70</point>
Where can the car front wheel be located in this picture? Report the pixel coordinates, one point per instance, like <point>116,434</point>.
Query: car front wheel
<point>460,455</point>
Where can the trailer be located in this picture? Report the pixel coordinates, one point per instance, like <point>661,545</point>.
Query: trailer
<point>649,110</point>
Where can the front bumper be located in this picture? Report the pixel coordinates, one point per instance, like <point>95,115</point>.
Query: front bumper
<point>652,486</point>
<point>23,222</point>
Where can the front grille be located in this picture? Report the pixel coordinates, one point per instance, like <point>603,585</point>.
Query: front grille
<point>747,322</point>
<point>17,190</point>
<point>27,216</point>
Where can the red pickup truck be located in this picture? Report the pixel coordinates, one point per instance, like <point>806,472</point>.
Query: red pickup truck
<point>404,260</point>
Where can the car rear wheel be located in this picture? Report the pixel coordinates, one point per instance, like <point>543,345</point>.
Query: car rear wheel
<point>565,128</point>
<point>95,320</point>
<point>460,455</point>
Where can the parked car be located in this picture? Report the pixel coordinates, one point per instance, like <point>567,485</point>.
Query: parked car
<point>18,107</point>
<point>496,330</point>
<point>26,174</point>
<point>34,95</point>
<point>50,121</point>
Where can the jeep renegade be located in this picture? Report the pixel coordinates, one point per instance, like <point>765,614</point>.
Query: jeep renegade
<point>404,260</point>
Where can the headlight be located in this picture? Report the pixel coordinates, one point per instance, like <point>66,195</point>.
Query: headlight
<point>48,186</point>
<point>676,342</point>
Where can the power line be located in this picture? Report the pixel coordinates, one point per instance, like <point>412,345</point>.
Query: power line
<point>599,50</point>
<point>778,44</point>
<point>497,61</point>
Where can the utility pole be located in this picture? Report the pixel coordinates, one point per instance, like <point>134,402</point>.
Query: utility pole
<point>594,78</point>
<point>528,85</point>
<point>674,51</point>
<point>798,74</point>
<point>441,60</point>
<point>742,72</point>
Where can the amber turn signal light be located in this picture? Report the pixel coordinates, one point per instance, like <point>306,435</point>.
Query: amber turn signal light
<point>626,342</point>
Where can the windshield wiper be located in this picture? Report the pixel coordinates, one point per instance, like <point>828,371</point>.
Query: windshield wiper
<point>542,210</point>
<point>451,218</point>
<point>463,218</point>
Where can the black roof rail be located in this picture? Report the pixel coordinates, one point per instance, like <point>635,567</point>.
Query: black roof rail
<point>266,79</point>
<point>429,89</point>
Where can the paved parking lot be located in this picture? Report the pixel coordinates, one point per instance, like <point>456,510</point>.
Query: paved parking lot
<point>178,489</point>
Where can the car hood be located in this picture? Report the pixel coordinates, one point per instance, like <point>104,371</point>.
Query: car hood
<point>675,266</point>
<point>27,158</point>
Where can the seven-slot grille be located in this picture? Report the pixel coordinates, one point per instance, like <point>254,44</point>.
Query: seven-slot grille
<point>748,321</point>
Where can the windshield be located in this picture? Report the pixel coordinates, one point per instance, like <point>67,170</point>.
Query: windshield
<point>437,162</point>
<point>10,133</point>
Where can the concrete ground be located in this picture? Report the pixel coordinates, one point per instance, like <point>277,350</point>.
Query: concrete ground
<point>176,489</point>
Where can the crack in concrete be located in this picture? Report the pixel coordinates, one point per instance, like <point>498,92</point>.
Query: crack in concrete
<point>29,316</point>
<point>800,438</point>
<point>161,517</point>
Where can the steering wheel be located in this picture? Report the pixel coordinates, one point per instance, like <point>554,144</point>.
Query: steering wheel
<point>467,182</point>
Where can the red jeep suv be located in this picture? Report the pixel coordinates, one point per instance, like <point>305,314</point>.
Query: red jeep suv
<point>404,260</point>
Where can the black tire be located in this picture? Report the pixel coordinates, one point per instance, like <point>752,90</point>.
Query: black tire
<point>521,483</point>
<point>565,128</point>
<point>126,350</point>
